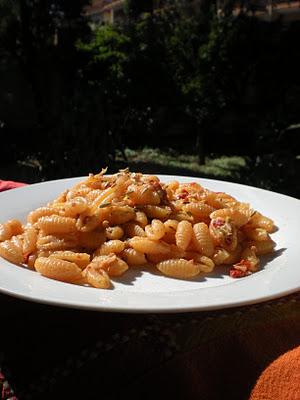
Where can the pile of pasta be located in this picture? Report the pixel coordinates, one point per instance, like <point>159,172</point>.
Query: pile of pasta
<point>108,223</point>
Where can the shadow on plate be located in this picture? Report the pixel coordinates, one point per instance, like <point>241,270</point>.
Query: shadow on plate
<point>131,275</point>
<point>220,272</point>
<point>265,259</point>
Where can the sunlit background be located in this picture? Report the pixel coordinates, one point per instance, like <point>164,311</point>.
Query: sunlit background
<point>200,88</point>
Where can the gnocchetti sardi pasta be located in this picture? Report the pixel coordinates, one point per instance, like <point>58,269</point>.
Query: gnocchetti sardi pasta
<point>106,224</point>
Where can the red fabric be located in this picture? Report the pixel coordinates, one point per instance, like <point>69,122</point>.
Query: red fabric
<point>6,185</point>
<point>6,392</point>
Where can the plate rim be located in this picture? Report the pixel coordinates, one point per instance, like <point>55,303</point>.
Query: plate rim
<point>184,308</point>
<point>29,185</point>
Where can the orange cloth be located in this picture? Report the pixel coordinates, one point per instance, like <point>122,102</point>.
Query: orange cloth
<point>281,379</point>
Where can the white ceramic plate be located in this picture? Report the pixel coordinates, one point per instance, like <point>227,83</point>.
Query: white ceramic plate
<point>144,291</point>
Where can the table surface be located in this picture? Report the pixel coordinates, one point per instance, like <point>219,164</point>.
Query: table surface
<point>49,352</point>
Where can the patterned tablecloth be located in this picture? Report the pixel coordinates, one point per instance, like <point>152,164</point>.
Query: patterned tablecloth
<point>49,353</point>
<point>55,353</point>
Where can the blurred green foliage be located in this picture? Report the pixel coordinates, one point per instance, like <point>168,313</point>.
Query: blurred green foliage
<point>134,8</point>
<point>181,77</point>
